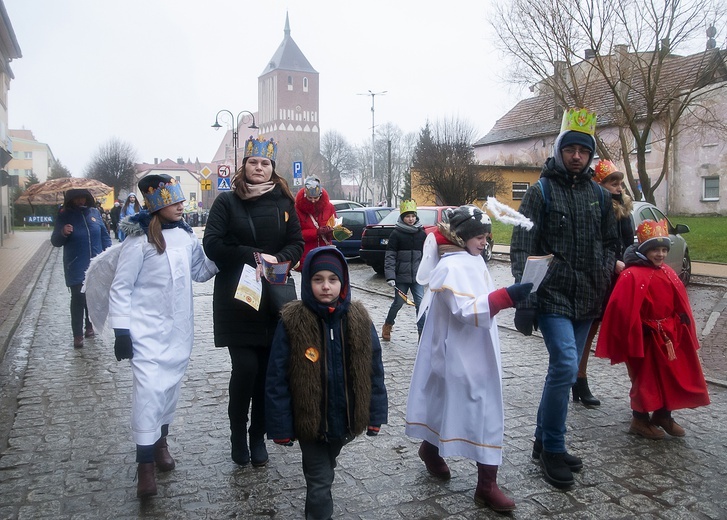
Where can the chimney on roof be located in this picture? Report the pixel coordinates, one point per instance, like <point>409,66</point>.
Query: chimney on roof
<point>156,160</point>
<point>180,160</point>
<point>665,47</point>
<point>621,49</point>
<point>590,54</point>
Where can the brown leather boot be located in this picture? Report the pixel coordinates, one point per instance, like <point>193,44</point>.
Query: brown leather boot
<point>162,457</point>
<point>77,341</point>
<point>488,493</point>
<point>664,420</point>
<point>644,428</point>
<point>386,332</point>
<point>436,466</point>
<point>146,484</point>
<point>89,330</point>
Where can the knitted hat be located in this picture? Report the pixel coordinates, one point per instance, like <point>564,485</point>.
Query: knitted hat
<point>312,187</point>
<point>463,223</point>
<point>327,261</point>
<point>573,137</point>
<point>160,191</point>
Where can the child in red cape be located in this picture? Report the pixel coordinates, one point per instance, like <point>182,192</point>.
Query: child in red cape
<point>648,324</point>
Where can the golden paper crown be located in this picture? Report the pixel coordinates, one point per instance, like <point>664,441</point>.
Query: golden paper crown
<point>603,169</point>
<point>579,120</point>
<point>261,148</point>
<point>649,229</point>
<point>407,206</point>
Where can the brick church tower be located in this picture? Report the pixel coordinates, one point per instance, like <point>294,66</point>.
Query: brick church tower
<point>288,109</point>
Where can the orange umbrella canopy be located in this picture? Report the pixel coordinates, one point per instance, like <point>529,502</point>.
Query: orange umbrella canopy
<point>52,192</point>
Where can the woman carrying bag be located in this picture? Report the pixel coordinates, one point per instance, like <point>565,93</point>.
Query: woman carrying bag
<point>257,216</point>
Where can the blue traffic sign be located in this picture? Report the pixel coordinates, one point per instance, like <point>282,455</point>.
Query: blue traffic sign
<point>223,184</point>
<point>297,169</point>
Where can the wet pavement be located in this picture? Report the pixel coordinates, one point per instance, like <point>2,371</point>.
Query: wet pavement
<point>66,450</point>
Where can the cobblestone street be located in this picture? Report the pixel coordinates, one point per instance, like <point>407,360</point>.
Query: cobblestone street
<point>69,454</point>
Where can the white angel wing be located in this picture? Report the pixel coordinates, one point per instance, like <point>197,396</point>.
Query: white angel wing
<point>99,276</point>
<point>430,259</point>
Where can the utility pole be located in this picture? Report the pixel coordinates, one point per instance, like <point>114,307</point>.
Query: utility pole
<point>373,131</point>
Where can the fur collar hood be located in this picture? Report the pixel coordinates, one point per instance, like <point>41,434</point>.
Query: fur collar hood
<point>138,225</point>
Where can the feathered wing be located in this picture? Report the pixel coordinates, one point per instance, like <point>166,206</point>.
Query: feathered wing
<point>99,276</point>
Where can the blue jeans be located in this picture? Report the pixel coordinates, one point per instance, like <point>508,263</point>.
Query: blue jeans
<point>417,292</point>
<point>564,339</point>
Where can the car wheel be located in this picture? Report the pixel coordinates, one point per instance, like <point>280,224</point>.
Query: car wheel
<point>686,273</point>
<point>487,251</point>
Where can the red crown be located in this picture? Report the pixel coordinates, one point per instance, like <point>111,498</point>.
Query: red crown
<point>603,169</point>
<point>649,229</point>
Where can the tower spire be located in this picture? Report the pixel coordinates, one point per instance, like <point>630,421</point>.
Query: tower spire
<point>287,25</point>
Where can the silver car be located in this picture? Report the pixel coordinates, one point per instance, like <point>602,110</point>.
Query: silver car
<point>678,258</point>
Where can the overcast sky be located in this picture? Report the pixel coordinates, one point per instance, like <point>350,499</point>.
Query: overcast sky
<point>154,73</point>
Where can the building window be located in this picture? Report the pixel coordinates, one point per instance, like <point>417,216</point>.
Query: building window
<point>28,172</point>
<point>290,82</point>
<point>519,189</point>
<point>28,155</point>
<point>710,188</point>
<point>305,84</point>
<point>179,179</point>
<point>648,144</point>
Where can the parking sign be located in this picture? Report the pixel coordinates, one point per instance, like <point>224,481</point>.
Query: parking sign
<point>297,173</point>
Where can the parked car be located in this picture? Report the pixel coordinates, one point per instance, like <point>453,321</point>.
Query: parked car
<point>375,238</point>
<point>346,204</point>
<point>678,257</point>
<point>355,220</point>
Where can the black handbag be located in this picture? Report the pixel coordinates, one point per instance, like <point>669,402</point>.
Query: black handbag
<point>277,295</point>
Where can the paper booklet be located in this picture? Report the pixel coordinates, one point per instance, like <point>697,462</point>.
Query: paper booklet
<point>249,288</point>
<point>535,269</point>
<point>275,273</point>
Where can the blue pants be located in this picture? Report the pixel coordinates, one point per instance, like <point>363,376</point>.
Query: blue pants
<point>319,463</point>
<point>564,339</point>
<point>417,292</point>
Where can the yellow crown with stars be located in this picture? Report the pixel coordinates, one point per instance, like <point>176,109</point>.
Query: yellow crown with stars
<point>408,206</point>
<point>579,120</point>
<point>261,147</point>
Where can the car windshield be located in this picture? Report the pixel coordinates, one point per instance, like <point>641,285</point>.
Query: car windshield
<point>428,217</point>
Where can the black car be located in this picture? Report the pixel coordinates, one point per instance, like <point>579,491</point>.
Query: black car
<point>375,238</point>
<point>355,220</point>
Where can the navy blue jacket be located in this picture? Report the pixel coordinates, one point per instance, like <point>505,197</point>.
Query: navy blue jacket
<point>279,413</point>
<point>88,239</point>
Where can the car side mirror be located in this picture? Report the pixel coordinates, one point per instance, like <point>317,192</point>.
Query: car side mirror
<point>680,229</point>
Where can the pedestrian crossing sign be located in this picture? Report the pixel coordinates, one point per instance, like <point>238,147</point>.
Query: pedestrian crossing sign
<point>223,184</point>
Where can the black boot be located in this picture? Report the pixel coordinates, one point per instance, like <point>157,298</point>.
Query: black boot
<point>240,451</point>
<point>583,393</point>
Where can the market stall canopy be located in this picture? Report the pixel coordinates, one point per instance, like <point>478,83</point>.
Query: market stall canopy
<point>52,192</point>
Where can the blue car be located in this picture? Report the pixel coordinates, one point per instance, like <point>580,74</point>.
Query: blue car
<point>356,220</point>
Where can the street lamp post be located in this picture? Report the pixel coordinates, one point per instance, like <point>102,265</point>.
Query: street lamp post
<point>373,131</point>
<point>235,121</point>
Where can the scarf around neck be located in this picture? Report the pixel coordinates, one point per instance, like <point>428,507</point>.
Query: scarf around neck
<point>255,191</point>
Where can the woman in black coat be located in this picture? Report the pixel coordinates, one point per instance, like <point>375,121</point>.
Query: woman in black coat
<point>257,216</point>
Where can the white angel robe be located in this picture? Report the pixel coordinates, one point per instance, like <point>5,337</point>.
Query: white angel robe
<point>151,295</point>
<point>455,397</point>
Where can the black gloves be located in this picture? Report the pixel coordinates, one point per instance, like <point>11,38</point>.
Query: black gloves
<point>519,291</point>
<point>123,347</point>
<point>526,320</point>
<point>373,431</point>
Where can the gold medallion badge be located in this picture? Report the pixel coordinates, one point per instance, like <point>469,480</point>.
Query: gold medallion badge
<point>312,354</point>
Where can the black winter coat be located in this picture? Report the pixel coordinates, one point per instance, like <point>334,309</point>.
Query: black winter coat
<point>230,241</point>
<point>404,253</point>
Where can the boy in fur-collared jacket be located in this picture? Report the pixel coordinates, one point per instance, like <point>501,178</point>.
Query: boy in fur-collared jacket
<point>325,345</point>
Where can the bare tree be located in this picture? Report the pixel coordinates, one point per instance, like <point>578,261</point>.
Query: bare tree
<point>339,160</point>
<point>446,167</point>
<point>114,164</point>
<point>630,75</point>
<point>58,170</point>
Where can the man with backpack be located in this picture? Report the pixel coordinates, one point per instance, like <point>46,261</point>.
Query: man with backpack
<point>573,222</point>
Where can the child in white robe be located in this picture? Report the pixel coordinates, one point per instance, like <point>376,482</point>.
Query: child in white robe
<point>151,312</point>
<point>455,398</point>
